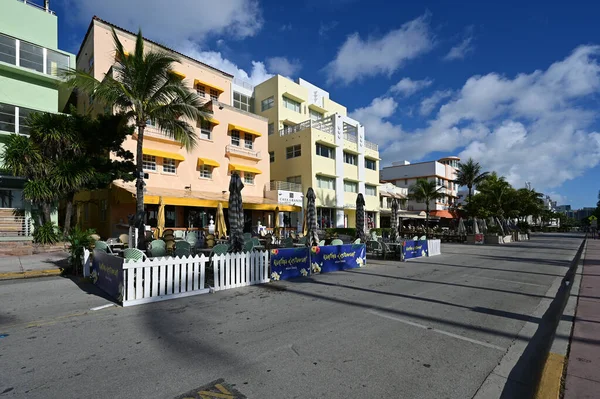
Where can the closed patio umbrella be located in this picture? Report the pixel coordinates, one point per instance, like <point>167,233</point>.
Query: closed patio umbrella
<point>475,226</point>
<point>221,227</point>
<point>497,221</point>
<point>236,214</point>
<point>312,237</point>
<point>360,217</point>
<point>160,218</point>
<point>483,226</point>
<point>394,221</point>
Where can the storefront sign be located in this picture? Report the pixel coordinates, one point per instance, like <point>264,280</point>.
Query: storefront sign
<point>414,249</point>
<point>289,198</point>
<point>107,273</point>
<point>478,238</point>
<point>333,258</point>
<point>289,263</point>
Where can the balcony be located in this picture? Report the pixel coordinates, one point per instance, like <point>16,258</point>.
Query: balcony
<point>325,125</point>
<point>242,152</point>
<point>371,146</point>
<point>39,7</point>
<point>29,56</point>
<point>283,185</point>
<point>285,193</point>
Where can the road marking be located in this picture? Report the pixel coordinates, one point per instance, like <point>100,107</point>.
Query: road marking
<point>508,281</point>
<point>449,334</point>
<point>108,305</point>
<point>218,389</point>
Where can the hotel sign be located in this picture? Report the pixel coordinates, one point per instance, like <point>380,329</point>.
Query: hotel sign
<point>290,198</point>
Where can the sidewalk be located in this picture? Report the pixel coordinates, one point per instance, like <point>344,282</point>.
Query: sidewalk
<point>583,370</point>
<point>47,264</point>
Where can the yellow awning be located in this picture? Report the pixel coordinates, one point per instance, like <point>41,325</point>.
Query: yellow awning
<point>208,162</point>
<point>211,85</point>
<point>293,97</point>
<point>178,74</point>
<point>245,168</point>
<point>245,130</point>
<point>213,121</point>
<point>163,154</point>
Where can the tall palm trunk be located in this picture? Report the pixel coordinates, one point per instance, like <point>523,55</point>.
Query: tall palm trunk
<point>46,210</point>
<point>140,168</point>
<point>427,219</point>
<point>68,214</point>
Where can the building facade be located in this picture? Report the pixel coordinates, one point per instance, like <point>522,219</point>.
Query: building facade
<point>30,62</point>
<point>313,143</point>
<point>443,172</point>
<point>190,184</point>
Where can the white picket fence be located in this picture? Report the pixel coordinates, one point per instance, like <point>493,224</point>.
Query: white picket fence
<point>240,269</point>
<point>159,279</point>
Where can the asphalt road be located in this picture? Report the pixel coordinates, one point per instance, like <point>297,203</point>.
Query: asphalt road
<point>429,328</point>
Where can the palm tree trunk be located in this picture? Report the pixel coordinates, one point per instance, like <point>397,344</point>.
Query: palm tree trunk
<point>427,220</point>
<point>46,210</point>
<point>140,169</point>
<point>68,214</point>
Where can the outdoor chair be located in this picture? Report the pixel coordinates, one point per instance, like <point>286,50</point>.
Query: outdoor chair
<point>179,234</point>
<point>220,249</point>
<point>422,238</point>
<point>102,246</point>
<point>247,236</point>
<point>357,241</point>
<point>158,243</point>
<point>302,240</point>
<point>192,239</point>
<point>256,242</point>
<point>95,237</point>
<point>134,254</point>
<point>337,241</point>
<point>183,248</point>
<point>287,243</point>
<point>248,246</point>
<point>415,238</point>
<point>293,235</point>
<point>321,243</point>
<point>157,251</point>
<point>124,238</point>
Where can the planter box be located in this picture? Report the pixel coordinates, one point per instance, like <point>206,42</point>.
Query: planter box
<point>493,239</point>
<point>507,239</point>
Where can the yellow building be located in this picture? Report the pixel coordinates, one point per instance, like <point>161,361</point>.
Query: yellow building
<point>313,143</point>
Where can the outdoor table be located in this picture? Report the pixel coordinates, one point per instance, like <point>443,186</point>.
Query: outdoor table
<point>299,245</point>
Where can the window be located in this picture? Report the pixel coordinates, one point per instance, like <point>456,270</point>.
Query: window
<point>293,151</point>
<point>169,165</point>
<point>325,182</point>
<point>248,178</point>
<point>205,130</point>
<point>235,138</point>
<point>267,103</point>
<point>315,115</point>
<point>201,90</point>
<point>370,164</point>
<point>325,151</point>
<point>103,209</point>
<point>350,186</point>
<point>23,115</point>
<point>8,50</point>
<point>406,182</point>
<point>271,128</point>
<point>7,116</point>
<point>149,162</point>
<point>206,172</point>
<point>248,141</point>
<point>214,95</point>
<point>326,217</point>
<point>291,104</point>
<point>271,156</point>
<point>294,179</point>
<point>31,56</point>
<point>350,158</point>
<point>370,190</point>
<point>151,123</point>
<point>242,102</point>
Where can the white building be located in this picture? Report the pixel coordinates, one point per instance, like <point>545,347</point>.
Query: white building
<point>443,171</point>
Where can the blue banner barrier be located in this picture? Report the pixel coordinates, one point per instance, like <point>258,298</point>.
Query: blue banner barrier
<point>289,263</point>
<point>107,273</point>
<point>332,258</point>
<point>414,249</point>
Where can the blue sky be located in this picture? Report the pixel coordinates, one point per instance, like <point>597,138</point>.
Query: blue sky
<point>513,85</point>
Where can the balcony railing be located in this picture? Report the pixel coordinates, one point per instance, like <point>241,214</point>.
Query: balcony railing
<point>284,186</point>
<point>241,151</point>
<point>325,125</point>
<point>31,56</point>
<point>15,226</point>
<point>39,7</point>
<point>351,137</point>
<point>243,83</point>
<point>371,146</point>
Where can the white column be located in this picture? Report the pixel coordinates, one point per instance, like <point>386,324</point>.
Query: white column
<point>338,122</point>
<point>17,52</point>
<point>45,59</point>
<point>360,131</point>
<point>17,128</point>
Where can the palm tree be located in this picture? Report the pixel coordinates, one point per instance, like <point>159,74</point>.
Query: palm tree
<point>144,87</point>
<point>469,174</point>
<point>497,191</point>
<point>426,191</point>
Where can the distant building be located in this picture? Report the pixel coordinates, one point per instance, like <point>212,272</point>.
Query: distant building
<point>387,194</point>
<point>443,172</point>
<point>563,208</point>
<point>463,196</point>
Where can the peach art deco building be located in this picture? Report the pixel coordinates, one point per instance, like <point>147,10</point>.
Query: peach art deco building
<point>191,184</point>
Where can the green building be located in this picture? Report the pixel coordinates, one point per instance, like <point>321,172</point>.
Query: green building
<point>30,62</point>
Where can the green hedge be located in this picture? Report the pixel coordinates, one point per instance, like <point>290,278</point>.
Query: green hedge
<point>379,231</point>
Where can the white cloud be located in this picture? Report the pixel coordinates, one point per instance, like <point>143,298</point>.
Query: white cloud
<point>461,50</point>
<point>171,23</point>
<point>358,58</point>
<point>535,127</point>
<point>257,74</point>
<point>407,87</point>
<point>284,66</point>
<point>428,104</point>
<point>325,27</point>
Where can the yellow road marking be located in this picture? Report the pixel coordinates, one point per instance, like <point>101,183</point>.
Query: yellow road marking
<point>29,274</point>
<point>222,389</point>
<point>549,386</point>
<point>225,394</point>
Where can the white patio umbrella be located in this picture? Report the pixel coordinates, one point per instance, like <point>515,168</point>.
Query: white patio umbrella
<point>461,227</point>
<point>475,226</point>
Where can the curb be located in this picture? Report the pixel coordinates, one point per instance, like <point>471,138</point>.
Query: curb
<point>29,274</point>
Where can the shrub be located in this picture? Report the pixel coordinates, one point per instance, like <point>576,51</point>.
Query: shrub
<point>79,240</point>
<point>523,227</point>
<point>46,233</point>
